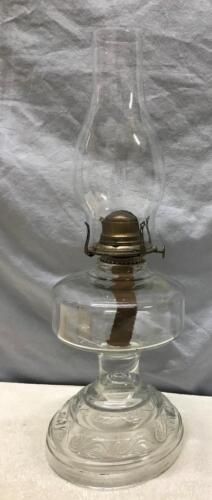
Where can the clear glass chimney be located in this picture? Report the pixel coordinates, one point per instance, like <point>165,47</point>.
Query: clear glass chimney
<point>117,431</point>
<point>118,156</point>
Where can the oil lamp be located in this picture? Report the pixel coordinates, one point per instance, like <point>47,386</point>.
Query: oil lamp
<point>117,431</point>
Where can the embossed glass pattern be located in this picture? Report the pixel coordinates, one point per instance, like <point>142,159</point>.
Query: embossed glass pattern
<point>117,431</point>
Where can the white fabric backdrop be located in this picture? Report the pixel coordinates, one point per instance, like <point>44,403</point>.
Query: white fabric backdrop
<point>46,80</point>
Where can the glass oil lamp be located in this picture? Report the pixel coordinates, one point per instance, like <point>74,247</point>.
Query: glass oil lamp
<point>117,431</point>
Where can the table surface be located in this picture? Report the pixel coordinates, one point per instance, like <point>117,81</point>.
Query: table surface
<point>25,475</point>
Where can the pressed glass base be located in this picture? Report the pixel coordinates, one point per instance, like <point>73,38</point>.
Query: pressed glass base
<point>109,444</point>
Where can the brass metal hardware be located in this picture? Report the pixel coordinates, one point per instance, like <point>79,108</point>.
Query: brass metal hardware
<point>123,243</point>
<point>122,239</point>
<point>87,251</point>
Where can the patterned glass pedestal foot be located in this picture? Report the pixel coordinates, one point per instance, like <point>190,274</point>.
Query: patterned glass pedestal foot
<point>115,432</point>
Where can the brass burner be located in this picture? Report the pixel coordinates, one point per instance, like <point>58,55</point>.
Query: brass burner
<point>122,239</point>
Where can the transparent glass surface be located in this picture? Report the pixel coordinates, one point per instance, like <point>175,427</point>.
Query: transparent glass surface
<point>86,305</point>
<point>114,432</point>
<point>118,159</point>
<point>117,431</point>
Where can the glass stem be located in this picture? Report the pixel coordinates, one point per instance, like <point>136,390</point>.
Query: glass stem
<point>119,383</point>
<point>119,367</point>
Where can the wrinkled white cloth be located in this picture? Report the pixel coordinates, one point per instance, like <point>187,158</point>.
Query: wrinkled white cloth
<point>46,83</point>
<point>26,410</point>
